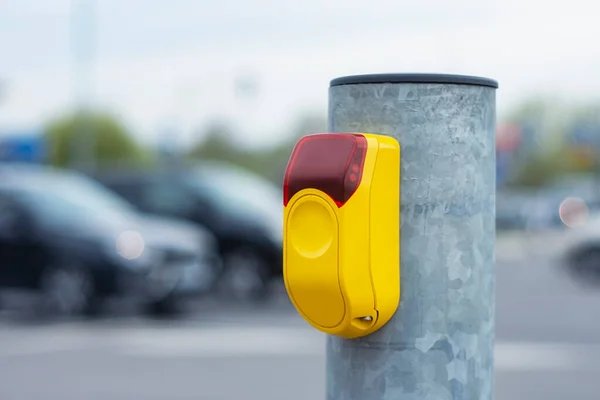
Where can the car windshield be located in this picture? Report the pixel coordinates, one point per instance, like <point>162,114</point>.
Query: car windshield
<point>237,189</point>
<point>72,197</point>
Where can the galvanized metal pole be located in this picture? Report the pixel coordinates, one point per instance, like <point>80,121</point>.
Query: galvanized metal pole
<point>439,344</point>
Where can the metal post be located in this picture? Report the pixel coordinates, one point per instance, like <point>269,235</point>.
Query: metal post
<point>82,148</point>
<point>439,344</point>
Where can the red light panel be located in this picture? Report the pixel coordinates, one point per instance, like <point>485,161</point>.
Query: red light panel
<point>332,163</point>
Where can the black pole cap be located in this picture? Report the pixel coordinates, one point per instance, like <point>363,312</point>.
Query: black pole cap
<point>414,78</point>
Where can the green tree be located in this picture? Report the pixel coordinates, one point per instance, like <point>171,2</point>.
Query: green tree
<point>540,169</point>
<point>555,154</point>
<point>217,143</point>
<point>270,162</point>
<point>110,143</point>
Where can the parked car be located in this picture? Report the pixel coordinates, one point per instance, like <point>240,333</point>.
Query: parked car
<point>68,239</point>
<point>581,252</point>
<point>243,210</point>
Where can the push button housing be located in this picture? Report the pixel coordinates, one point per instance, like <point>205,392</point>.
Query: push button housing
<point>341,231</point>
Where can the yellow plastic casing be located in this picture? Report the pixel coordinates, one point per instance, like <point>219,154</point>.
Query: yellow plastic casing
<point>342,264</point>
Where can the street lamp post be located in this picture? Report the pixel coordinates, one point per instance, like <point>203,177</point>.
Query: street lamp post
<point>83,36</point>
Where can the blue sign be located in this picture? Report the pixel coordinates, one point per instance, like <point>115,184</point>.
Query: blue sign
<point>22,148</point>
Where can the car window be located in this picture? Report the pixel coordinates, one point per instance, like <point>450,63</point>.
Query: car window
<point>52,209</point>
<point>237,190</point>
<point>130,191</point>
<point>168,197</point>
<point>65,198</point>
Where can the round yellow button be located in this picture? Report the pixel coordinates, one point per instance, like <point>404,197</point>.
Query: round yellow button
<point>312,226</point>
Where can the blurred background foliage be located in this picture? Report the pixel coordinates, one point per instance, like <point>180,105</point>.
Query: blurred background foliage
<point>556,140</point>
<point>547,146</point>
<point>113,143</point>
<point>269,161</point>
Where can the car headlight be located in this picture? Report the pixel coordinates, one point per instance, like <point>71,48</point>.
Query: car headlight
<point>130,249</point>
<point>130,245</point>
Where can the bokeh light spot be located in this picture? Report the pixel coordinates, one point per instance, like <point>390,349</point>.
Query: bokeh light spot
<point>130,245</point>
<point>573,212</point>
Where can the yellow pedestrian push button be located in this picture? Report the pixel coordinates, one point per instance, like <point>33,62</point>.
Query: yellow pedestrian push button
<point>342,231</point>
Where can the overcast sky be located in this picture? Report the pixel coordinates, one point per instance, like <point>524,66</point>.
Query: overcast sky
<point>162,61</point>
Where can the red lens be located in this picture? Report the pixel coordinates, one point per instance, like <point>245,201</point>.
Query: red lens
<point>332,163</point>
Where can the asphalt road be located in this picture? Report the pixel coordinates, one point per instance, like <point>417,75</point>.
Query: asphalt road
<point>548,347</point>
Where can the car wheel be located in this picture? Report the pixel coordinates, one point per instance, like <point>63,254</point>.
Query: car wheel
<point>246,275</point>
<point>68,291</point>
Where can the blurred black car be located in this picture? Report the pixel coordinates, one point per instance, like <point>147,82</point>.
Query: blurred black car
<point>243,210</point>
<point>580,251</point>
<point>69,239</point>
